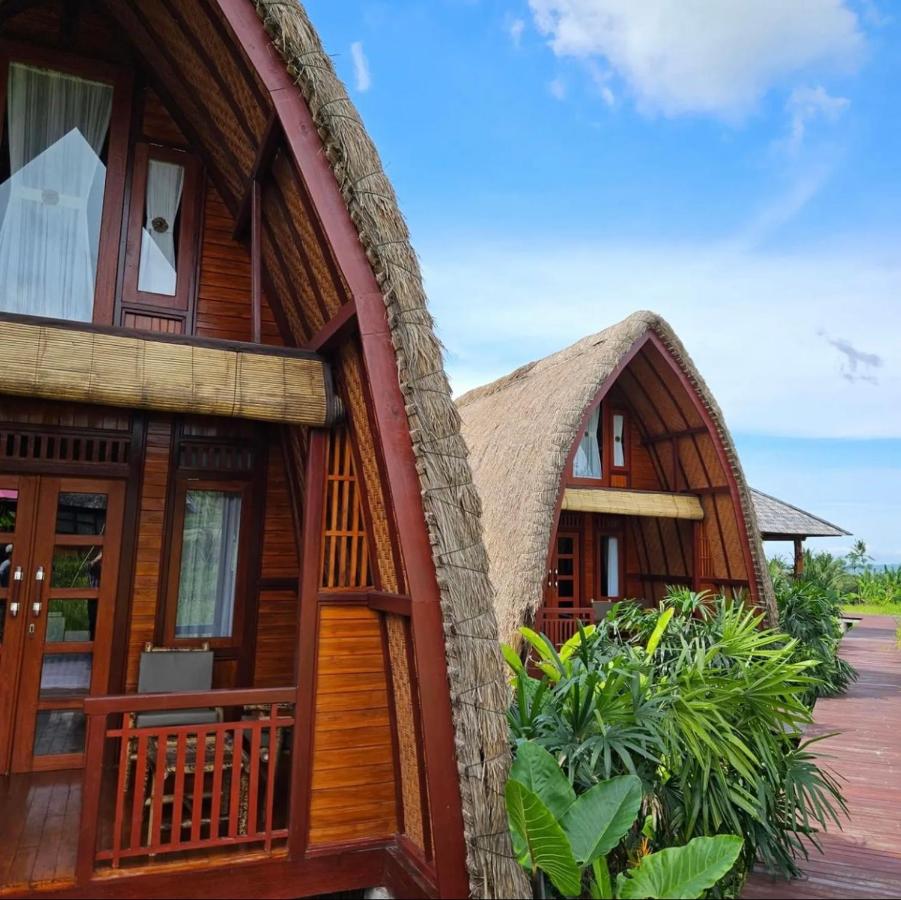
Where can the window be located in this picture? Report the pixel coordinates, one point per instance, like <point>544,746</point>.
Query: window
<point>619,440</point>
<point>205,582</point>
<point>588,462</point>
<point>56,136</point>
<point>610,567</point>
<point>161,248</point>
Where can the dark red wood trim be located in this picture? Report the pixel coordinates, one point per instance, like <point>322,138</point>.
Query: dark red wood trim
<point>306,654</point>
<point>256,262</point>
<point>393,604</point>
<point>334,331</point>
<point>124,703</point>
<point>403,879</point>
<point>305,145</point>
<point>266,151</point>
<point>392,717</point>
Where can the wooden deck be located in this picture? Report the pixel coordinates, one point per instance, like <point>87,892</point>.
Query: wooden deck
<point>863,860</point>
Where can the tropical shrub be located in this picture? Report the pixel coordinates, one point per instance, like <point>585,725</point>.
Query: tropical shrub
<point>569,838</point>
<point>702,704</point>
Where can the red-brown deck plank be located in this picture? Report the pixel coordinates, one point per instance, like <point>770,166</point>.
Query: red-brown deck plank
<point>864,859</point>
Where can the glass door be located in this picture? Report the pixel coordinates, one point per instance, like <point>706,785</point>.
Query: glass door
<point>67,618</point>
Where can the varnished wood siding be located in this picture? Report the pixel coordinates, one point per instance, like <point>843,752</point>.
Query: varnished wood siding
<point>353,779</point>
<point>151,524</point>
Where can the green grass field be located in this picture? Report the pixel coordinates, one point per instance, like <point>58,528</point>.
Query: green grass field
<point>872,609</point>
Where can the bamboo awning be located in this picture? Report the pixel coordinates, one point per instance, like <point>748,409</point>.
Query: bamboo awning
<point>114,367</point>
<point>613,501</point>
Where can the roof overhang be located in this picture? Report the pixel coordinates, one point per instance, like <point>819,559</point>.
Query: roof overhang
<point>112,367</point>
<point>613,501</point>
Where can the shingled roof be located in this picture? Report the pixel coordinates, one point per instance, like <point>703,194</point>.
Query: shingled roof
<point>779,520</point>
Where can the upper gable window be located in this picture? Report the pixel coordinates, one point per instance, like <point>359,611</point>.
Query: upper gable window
<point>51,201</point>
<point>158,267</point>
<point>588,462</point>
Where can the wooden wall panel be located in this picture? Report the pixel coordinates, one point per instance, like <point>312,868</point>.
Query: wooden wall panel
<point>276,639</point>
<point>149,555</point>
<point>353,779</point>
<point>280,556</point>
<point>158,125</point>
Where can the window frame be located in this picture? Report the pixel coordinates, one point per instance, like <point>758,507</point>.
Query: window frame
<point>606,444</point>
<point>183,485</point>
<point>122,82</point>
<point>181,304</point>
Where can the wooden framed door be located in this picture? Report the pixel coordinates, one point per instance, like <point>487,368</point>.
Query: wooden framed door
<point>564,577</point>
<point>63,628</point>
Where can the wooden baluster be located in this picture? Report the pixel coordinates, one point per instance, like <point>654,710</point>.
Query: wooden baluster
<point>235,786</point>
<point>270,775</point>
<point>178,794</point>
<point>139,788</point>
<point>121,778</point>
<point>154,826</point>
<point>256,735</point>
<point>216,801</point>
<point>199,778</point>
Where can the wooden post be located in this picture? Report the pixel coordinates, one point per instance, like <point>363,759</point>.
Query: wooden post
<point>256,261</point>
<point>696,533</point>
<point>799,557</point>
<point>90,799</point>
<point>307,641</point>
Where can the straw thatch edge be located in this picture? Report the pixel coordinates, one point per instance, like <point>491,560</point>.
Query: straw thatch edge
<point>526,472</point>
<point>451,504</point>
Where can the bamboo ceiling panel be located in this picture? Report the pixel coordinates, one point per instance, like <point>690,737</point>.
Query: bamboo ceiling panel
<point>64,363</point>
<point>633,503</point>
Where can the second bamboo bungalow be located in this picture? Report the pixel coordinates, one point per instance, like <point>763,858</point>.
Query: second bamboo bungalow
<point>606,471</point>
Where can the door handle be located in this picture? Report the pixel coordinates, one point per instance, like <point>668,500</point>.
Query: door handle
<point>17,585</point>
<point>38,605</point>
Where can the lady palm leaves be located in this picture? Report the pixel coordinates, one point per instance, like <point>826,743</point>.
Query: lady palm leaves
<point>704,705</point>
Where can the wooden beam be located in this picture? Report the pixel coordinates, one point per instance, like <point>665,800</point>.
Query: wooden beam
<point>614,501</point>
<point>268,147</point>
<point>256,263</point>
<point>673,435</point>
<point>334,331</point>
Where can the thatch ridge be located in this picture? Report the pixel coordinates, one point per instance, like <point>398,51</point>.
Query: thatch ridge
<point>520,430</point>
<point>452,507</point>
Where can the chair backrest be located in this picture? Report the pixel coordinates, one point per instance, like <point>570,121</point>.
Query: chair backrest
<point>601,608</point>
<point>175,671</point>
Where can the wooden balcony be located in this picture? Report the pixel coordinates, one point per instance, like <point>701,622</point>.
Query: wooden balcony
<point>561,624</point>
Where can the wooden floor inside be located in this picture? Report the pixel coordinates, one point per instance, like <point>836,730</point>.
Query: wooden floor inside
<point>39,817</point>
<point>863,860</point>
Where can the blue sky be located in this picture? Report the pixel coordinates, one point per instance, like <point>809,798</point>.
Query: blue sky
<point>733,165</point>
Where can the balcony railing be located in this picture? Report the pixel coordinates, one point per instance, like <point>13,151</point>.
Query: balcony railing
<point>561,624</point>
<point>184,789</point>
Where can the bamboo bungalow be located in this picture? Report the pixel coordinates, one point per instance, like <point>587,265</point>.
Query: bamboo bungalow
<point>247,641</point>
<point>606,472</point>
<point>780,521</point>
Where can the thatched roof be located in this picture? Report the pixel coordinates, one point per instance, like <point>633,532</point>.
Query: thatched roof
<point>779,520</point>
<point>476,673</point>
<point>520,430</point>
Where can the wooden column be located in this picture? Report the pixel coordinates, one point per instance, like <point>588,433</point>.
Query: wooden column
<point>696,535</point>
<point>256,261</point>
<point>799,557</point>
<point>307,642</point>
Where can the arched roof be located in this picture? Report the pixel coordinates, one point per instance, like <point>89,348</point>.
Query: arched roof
<point>520,430</point>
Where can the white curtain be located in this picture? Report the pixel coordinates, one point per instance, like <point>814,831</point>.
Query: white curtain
<point>158,272</point>
<point>209,565</point>
<point>612,567</point>
<point>53,200</point>
<point>587,463</point>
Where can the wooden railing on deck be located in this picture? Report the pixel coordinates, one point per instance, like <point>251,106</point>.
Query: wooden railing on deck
<point>561,624</point>
<point>185,788</point>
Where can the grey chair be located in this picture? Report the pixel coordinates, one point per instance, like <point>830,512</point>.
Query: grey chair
<point>600,609</point>
<point>165,671</point>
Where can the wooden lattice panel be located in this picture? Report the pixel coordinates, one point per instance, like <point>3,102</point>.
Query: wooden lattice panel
<point>345,545</point>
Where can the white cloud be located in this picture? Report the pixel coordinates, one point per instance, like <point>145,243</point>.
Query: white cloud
<point>750,318</point>
<point>361,67</point>
<point>806,105</point>
<point>515,29</point>
<point>716,57</point>
<point>557,87</point>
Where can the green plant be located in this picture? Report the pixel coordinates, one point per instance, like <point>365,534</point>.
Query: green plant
<point>701,703</point>
<point>570,837</point>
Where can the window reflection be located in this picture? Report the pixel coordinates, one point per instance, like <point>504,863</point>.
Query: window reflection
<point>52,199</point>
<point>81,513</point>
<point>76,567</point>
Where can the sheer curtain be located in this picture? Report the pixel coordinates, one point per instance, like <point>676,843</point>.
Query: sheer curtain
<point>209,563</point>
<point>612,567</point>
<point>619,450</point>
<point>53,200</point>
<point>158,272</point>
<point>587,463</point>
